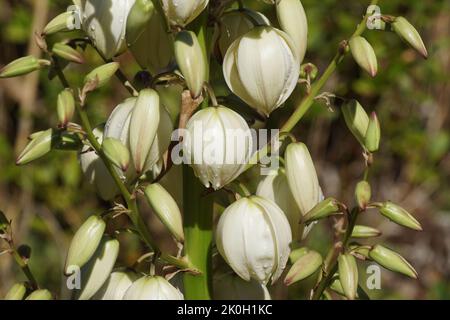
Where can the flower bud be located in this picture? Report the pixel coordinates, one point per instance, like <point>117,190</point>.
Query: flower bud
<point>152,288</point>
<point>218,145</point>
<point>297,254</point>
<point>191,61</point>
<point>228,286</point>
<point>165,207</point>
<point>253,236</point>
<point>304,266</point>
<point>42,294</point>
<point>348,275</point>
<point>180,13</point>
<point>363,193</point>
<point>410,35</point>
<point>84,243</point>
<point>373,134</point>
<point>105,22</point>
<point>356,119</point>
<point>392,261</point>
<point>102,74</point>
<point>326,208</point>
<point>17,292</point>
<point>236,23</point>
<point>302,177</point>
<point>365,232</point>
<point>65,107</point>
<point>116,286</point>
<point>364,55</point>
<point>39,146</point>
<point>262,68</point>
<point>161,55</point>
<point>144,123</point>
<point>140,15</point>
<point>96,172</point>
<point>359,251</point>
<point>23,66</point>
<point>95,273</point>
<point>293,21</point>
<point>399,215</point>
<point>117,153</point>
<point>60,23</point>
<point>68,53</point>
<point>275,187</point>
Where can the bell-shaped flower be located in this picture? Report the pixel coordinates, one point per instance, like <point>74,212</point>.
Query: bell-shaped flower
<point>262,68</point>
<point>182,12</point>
<point>153,288</point>
<point>253,236</point>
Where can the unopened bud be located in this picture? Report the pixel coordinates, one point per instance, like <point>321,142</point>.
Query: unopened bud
<point>373,134</point>
<point>399,215</point>
<point>68,53</point>
<point>165,207</point>
<point>365,232</point>
<point>363,193</point>
<point>140,15</point>
<point>191,61</point>
<point>297,254</point>
<point>23,66</point>
<point>392,260</point>
<point>41,294</point>
<point>410,35</point>
<point>102,74</point>
<point>84,243</point>
<point>60,23</point>
<point>65,107</point>
<point>17,292</point>
<point>348,275</point>
<point>305,266</point>
<point>39,146</point>
<point>356,119</point>
<point>364,55</point>
<point>326,208</point>
<point>117,153</point>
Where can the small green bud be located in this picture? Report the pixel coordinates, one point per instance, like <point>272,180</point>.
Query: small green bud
<point>39,146</point>
<point>65,107</point>
<point>41,294</point>
<point>95,273</point>
<point>165,207</point>
<point>17,292</point>
<point>68,53</point>
<point>410,35</point>
<point>60,23</point>
<point>392,261</point>
<point>336,286</point>
<point>191,61</point>
<point>309,69</point>
<point>297,254</point>
<point>363,193</point>
<point>364,55</point>
<point>361,252</point>
<point>356,119</point>
<point>117,153</point>
<point>348,275</point>
<point>304,267</point>
<point>103,74</point>
<point>140,15</point>
<point>365,232</point>
<point>23,66</point>
<point>84,243</point>
<point>373,134</point>
<point>326,208</point>
<point>399,215</point>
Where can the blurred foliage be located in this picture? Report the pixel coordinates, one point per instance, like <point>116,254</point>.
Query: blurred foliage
<point>48,199</point>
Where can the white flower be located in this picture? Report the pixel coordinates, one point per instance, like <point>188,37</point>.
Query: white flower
<point>105,23</point>
<point>152,288</point>
<point>253,236</point>
<point>218,144</point>
<point>116,286</point>
<point>302,177</point>
<point>262,68</point>
<point>181,12</point>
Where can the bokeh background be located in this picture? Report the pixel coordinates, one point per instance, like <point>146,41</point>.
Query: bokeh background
<point>48,199</point>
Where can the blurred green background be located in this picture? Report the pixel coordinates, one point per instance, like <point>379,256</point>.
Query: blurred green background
<point>48,199</point>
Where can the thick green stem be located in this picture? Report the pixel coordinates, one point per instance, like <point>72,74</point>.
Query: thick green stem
<point>198,210</point>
